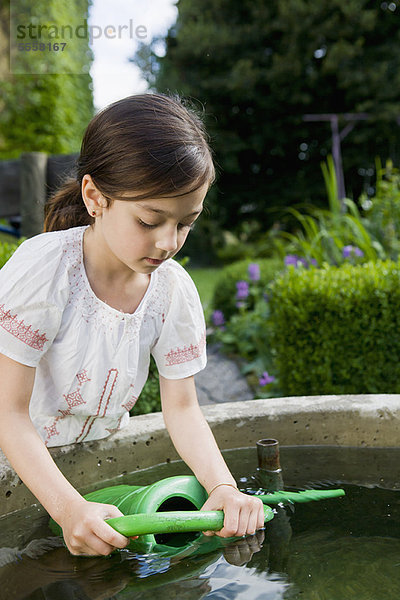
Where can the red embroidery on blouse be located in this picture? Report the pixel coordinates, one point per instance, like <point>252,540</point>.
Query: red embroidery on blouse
<point>51,430</point>
<point>105,398</point>
<point>72,399</point>
<point>130,404</point>
<point>82,377</point>
<point>23,332</point>
<point>65,413</point>
<point>117,428</point>
<point>185,354</point>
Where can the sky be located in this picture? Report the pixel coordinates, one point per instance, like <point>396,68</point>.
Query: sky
<point>117,27</point>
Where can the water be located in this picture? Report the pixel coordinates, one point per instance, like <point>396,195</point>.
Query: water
<point>341,549</point>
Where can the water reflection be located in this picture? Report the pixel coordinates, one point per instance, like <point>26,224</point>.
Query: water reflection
<point>48,571</point>
<point>228,582</point>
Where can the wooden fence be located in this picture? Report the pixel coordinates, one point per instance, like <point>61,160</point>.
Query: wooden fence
<point>25,185</point>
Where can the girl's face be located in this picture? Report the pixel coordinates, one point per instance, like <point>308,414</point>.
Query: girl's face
<point>142,234</point>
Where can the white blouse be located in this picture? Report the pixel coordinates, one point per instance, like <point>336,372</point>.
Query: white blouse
<point>92,360</point>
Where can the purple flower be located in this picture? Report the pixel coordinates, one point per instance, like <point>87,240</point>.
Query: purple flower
<point>240,304</point>
<point>352,250</point>
<point>254,271</point>
<point>265,379</point>
<point>293,259</point>
<point>218,318</point>
<point>313,262</point>
<point>242,288</point>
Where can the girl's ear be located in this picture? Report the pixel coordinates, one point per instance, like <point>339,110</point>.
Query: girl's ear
<point>92,197</point>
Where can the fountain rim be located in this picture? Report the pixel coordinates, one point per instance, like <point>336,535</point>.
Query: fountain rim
<point>369,420</point>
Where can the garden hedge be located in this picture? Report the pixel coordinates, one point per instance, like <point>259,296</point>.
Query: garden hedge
<point>337,330</point>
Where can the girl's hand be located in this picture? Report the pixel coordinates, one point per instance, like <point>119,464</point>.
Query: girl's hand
<point>85,531</point>
<point>241,552</point>
<point>244,514</point>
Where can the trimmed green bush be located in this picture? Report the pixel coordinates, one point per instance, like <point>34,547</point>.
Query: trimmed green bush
<point>224,297</point>
<point>337,330</point>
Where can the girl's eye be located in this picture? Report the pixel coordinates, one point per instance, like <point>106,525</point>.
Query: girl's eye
<point>182,226</point>
<point>146,225</point>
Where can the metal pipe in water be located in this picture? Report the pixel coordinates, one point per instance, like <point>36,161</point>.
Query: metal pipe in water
<point>268,454</point>
<point>269,477</point>
<point>269,472</point>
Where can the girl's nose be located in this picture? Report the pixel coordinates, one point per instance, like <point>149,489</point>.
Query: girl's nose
<point>168,241</point>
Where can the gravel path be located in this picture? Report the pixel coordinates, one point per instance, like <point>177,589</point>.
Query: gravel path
<point>221,380</point>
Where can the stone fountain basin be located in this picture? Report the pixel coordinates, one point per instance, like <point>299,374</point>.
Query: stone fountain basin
<point>352,420</point>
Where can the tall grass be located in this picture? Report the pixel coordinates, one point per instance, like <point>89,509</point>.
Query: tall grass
<point>325,232</point>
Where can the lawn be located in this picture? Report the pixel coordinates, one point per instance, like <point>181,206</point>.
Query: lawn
<point>205,280</point>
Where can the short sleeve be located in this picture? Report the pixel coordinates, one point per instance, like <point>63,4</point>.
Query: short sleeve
<point>180,350</point>
<point>29,314</point>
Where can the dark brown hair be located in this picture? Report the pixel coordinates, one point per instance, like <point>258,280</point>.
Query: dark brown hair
<point>150,145</point>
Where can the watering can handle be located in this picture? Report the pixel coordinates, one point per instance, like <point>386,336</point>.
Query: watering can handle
<point>173,522</point>
<point>185,521</point>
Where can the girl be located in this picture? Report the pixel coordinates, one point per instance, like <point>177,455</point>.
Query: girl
<point>84,304</point>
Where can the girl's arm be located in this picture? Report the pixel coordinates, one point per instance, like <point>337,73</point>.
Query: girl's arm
<point>84,529</point>
<point>195,443</point>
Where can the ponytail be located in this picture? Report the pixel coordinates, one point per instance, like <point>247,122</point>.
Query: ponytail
<point>66,208</point>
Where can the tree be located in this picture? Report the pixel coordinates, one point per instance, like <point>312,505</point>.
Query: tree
<point>45,112</point>
<point>258,66</point>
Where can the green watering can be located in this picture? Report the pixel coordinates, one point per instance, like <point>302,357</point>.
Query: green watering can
<point>167,518</point>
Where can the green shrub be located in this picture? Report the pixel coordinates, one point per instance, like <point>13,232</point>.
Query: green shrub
<point>149,400</point>
<point>246,337</point>
<point>7,249</point>
<point>245,334</point>
<point>249,240</point>
<point>383,210</point>
<point>337,330</point>
<point>46,104</point>
<point>224,298</point>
